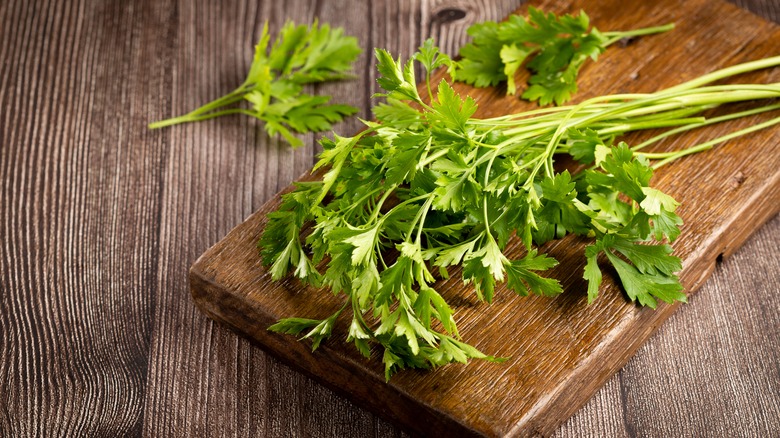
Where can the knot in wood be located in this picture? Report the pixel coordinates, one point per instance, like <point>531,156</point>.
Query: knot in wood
<point>449,14</point>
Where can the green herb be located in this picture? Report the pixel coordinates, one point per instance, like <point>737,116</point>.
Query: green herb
<point>428,187</point>
<point>552,48</point>
<point>274,86</point>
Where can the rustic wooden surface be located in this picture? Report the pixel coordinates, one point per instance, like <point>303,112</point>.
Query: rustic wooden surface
<point>102,218</point>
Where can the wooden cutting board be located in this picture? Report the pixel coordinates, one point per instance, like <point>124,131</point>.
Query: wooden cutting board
<point>561,349</point>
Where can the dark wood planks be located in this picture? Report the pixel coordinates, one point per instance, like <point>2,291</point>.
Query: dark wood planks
<point>100,220</point>
<point>80,215</point>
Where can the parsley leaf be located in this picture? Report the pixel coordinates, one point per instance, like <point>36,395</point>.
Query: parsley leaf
<point>521,278</point>
<point>480,63</point>
<point>554,49</point>
<point>274,85</point>
<point>646,287</point>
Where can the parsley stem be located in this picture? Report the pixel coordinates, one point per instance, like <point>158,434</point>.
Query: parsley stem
<point>485,198</point>
<point>379,203</point>
<point>234,96</point>
<point>431,158</point>
<point>728,72</point>
<point>514,118</point>
<point>652,124</point>
<point>674,114</point>
<point>357,313</point>
<point>211,115</point>
<point>408,201</point>
<point>420,213</point>
<point>359,201</point>
<point>536,127</point>
<point>428,85</point>
<point>200,113</point>
<point>707,122</point>
<point>424,210</point>
<point>486,218</point>
<point>619,35</point>
<point>516,142</point>
<point>709,144</point>
<point>668,100</point>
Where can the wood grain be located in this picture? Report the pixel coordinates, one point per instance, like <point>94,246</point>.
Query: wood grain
<point>101,218</point>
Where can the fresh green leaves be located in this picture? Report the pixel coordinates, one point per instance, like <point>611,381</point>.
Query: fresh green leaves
<point>554,48</point>
<point>628,211</point>
<point>522,276</point>
<point>396,78</point>
<point>317,330</point>
<point>648,276</point>
<point>481,63</point>
<point>275,83</point>
<point>428,191</point>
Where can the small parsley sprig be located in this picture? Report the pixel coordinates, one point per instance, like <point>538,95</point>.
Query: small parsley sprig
<point>554,48</point>
<point>274,86</point>
<point>428,187</point>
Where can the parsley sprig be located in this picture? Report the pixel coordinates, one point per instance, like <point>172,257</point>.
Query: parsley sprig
<point>428,187</point>
<point>275,83</point>
<point>554,48</point>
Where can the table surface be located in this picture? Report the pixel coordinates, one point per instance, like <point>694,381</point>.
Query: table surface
<point>101,218</point>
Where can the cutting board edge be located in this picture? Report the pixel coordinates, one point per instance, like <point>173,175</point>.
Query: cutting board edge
<point>567,398</point>
<point>764,205</point>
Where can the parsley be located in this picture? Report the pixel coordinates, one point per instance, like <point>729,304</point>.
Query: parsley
<point>274,85</point>
<point>427,188</point>
<point>553,48</point>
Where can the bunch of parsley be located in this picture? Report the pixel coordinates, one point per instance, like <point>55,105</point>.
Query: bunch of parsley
<point>554,48</point>
<point>275,83</point>
<point>427,187</point>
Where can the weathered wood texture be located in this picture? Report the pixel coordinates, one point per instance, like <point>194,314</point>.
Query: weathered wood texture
<point>100,220</point>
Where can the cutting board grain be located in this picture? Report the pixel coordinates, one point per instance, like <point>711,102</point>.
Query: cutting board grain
<point>561,350</point>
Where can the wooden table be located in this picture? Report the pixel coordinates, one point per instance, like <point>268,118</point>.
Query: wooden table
<point>101,218</point>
